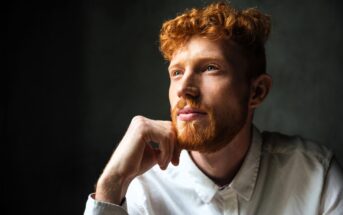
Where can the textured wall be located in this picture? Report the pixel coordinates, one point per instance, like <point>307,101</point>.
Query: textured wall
<point>304,59</point>
<point>80,70</point>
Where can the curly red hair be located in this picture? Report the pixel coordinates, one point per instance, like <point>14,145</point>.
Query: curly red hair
<point>248,28</point>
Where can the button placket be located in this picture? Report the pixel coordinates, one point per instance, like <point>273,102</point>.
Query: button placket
<point>230,202</point>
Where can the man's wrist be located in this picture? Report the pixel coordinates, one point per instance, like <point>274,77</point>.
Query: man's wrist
<point>111,189</point>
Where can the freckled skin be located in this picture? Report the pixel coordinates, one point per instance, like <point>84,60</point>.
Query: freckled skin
<point>201,71</point>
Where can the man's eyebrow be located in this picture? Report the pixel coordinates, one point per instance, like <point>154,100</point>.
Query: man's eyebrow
<point>174,65</point>
<point>212,59</point>
<point>218,59</point>
<point>201,59</point>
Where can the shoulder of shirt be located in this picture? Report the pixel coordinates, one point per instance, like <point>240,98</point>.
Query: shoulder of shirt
<point>278,143</point>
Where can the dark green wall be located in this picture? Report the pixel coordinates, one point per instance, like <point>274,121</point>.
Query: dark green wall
<point>80,70</point>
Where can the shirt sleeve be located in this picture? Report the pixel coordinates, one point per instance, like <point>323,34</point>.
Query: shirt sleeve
<point>332,198</point>
<point>94,207</point>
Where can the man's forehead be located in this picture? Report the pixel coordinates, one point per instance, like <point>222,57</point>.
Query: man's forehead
<point>198,48</point>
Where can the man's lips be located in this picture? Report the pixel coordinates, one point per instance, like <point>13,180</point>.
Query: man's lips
<point>189,114</point>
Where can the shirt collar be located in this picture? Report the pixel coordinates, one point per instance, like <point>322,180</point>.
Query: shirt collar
<point>244,181</point>
<point>203,185</point>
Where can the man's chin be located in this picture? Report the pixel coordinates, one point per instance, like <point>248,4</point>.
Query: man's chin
<point>204,140</point>
<point>197,141</point>
<point>206,148</point>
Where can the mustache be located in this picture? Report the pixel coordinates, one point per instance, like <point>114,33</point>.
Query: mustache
<point>192,103</point>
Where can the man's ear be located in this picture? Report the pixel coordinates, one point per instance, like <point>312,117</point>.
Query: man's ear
<point>260,88</point>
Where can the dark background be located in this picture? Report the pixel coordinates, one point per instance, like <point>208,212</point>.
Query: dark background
<point>78,71</point>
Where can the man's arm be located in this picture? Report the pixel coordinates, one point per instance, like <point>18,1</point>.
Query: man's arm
<point>94,207</point>
<point>134,156</point>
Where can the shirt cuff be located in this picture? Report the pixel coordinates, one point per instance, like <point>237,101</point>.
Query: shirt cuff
<point>95,207</point>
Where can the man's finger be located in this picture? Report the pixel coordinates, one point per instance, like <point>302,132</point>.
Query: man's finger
<point>176,155</point>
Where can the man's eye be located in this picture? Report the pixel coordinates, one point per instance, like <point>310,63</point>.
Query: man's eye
<point>176,73</point>
<point>211,67</point>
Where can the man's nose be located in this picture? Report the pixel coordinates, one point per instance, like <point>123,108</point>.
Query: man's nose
<point>189,86</point>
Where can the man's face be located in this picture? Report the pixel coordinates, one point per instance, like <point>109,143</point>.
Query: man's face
<point>208,94</point>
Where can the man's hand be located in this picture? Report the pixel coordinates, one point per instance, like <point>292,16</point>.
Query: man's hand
<point>134,156</point>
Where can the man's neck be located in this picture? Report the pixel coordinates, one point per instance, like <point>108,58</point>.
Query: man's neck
<point>222,166</point>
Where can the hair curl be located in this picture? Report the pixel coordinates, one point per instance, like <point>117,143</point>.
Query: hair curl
<point>248,28</point>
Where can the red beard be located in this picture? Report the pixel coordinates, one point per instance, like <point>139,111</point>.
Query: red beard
<point>209,135</point>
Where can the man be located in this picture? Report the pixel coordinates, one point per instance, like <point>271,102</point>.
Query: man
<point>222,164</point>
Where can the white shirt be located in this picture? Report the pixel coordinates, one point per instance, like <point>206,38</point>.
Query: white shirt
<point>280,175</point>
